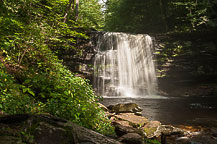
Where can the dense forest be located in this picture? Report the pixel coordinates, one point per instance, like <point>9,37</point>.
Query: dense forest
<point>159,16</point>
<point>34,34</point>
<point>32,78</point>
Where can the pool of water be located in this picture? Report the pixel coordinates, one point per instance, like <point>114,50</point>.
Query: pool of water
<point>198,111</point>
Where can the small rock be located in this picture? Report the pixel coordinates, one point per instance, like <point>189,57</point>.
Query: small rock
<point>134,120</point>
<point>132,138</point>
<point>170,130</point>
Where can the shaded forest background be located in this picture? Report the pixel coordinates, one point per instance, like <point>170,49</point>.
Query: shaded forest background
<point>38,36</point>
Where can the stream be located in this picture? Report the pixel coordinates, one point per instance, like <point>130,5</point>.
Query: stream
<point>197,111</point>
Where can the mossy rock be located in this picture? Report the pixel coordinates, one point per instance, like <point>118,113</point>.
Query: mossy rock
<point>152,129</point>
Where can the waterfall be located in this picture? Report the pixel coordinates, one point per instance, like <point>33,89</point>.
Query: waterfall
<point>124,65</point>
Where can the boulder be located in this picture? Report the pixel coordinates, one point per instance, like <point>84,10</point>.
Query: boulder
<point>46,133</point>
<point>123,127</point>
<point>152,129</point>
<point>125,108</point>
<point>132,138</point>
<point>47,129</point>
<point>134,120</point>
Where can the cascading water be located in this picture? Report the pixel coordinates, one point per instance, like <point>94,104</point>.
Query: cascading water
<point>124,66</point>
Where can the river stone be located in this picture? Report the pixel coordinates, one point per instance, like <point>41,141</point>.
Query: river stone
<point>123,127</point>
<point>134,120</point>
<point>170,130</point>
<point>152,129</point>
<point>132,138</point>
<point>125,108</point>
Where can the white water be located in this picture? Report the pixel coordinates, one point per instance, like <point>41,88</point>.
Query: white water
<point>124,66</point>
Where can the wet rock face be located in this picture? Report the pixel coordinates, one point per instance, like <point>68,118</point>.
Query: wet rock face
<point>125,108</point>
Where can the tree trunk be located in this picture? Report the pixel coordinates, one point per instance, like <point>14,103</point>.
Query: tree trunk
<point>163,15</point>
<point>71,5</point>
<point>76,10</point>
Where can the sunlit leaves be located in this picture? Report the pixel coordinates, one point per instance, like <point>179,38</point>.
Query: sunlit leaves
<point>90,14</point>
<point>31,33</point>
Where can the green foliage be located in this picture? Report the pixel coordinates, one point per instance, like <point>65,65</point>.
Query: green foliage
<point>158,16</point>
<point>15,98</point>
<point>32,78</point>
<point>151,141</point>
<point>90,14</point>
<point>134,16</point>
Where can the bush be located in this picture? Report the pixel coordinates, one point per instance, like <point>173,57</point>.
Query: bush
<point>32,78</point>
<point>57,92</point>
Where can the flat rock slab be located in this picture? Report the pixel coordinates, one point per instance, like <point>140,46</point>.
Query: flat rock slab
<point>134,120</point>
<point>122,122</point>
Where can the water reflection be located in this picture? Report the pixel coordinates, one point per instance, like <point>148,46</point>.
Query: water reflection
<point>177,110</point>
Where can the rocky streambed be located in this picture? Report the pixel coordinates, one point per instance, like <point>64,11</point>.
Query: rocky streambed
<point>130,128</point>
